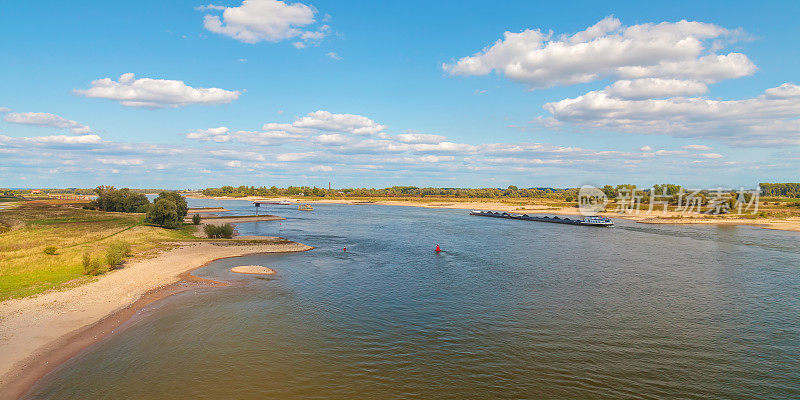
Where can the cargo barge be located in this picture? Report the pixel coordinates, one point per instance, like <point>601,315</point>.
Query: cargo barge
<point>586,221</point>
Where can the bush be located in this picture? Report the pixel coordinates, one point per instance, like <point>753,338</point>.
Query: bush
<point>96,267</point>
<point>87,263</point>
<point>90,266</point>
<point>219,231</point>
<point>116,253</point>
<point>50,250</point>
<point>196,219</point>
<point>163,213</point>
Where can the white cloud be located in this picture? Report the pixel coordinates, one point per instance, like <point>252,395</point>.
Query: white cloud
<point>351,123</point>
<point>332,139</point>
<point>649,88</point>
<point>786,90</point>
<point>62,139</point>
<point>333,55</point>
<point>263,138</point>
<point>710,155</point>
<point>419,138</point>
<point>667,50</point>
<point>234,164</point>
<point>264,20</point>
<point>47,120</point>
<point>4,110</point>
<point>320,168</point>
<point>293,156</point>
<point>155,93</point>
<point>120,161</point>
<point>218,135</point>
<point>699,147</point>
<point>646,148</point>
<point>766,120</point>
<point>208,7</point>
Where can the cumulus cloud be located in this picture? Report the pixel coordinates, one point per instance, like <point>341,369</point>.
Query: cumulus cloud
<point>419,138</point>
<point>698,147</point>
<point>383,158</point>
<point>264,20</point>
<point>63,139</point>
<point>4,110</point>
<point>770,119</point>
<point>47,120</point>
<point>263,138</point>
<point>710,155</point>
<point>155,93</point>
<point>332,139</point>
<point>787,90</point>
<point>668,50</point>
<point>121,161</point>
<point>333,55</point>
<point>649,88</point>
<point>208,7</point>
<point>326,121</point>
<point>218,135</point>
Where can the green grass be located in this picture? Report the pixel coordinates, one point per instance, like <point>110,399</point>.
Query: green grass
<point>26,230</point>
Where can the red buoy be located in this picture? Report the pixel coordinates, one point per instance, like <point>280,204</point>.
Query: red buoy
<point>438,249</point>
<point>345,248</point>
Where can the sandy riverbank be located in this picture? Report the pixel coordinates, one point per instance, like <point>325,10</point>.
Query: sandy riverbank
<point>39,333</point>
<point>789,224</point>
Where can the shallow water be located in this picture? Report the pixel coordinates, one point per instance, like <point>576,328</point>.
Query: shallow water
<point>510,309</point>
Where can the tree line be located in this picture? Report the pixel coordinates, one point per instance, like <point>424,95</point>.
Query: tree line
<point>394,191</point>
<point>780,189</point>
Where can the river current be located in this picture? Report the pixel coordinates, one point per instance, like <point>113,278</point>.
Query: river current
<point>509,309</point>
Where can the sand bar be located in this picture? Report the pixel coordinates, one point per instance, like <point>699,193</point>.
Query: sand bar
<point>253,269</point>
<point>40,332</point>
<point>234,219</point>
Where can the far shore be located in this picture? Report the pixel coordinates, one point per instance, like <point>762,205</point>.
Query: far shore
<point>789,224</point>
<point>39,333</point>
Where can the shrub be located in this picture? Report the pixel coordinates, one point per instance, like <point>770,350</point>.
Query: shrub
<point>116,253</point>
<point>92,266</point>
<point>163,213</point>
<point>87,263</point>
<point>96,267</point>
<point>219,231</point>
<point>196,219</point>
<point>50,250</point>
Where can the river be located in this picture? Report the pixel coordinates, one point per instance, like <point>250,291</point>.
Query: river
<point>509,309</point>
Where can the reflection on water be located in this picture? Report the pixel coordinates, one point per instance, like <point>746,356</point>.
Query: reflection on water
<point>510,309</point>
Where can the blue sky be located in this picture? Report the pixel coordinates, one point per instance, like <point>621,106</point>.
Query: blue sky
<point>408,93</point>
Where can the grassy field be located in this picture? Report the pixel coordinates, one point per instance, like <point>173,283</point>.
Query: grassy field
<point>27,228</point>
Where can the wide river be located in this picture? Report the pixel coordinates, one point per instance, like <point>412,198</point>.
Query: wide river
<point>509,309</point>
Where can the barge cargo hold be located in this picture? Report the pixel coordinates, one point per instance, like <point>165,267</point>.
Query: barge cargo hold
<point>586,221</point>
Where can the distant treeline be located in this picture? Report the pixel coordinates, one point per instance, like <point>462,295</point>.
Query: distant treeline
<point>780,189</point>
<point>394,191</point>
<point>75,191</point>
<point>672,193</point>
